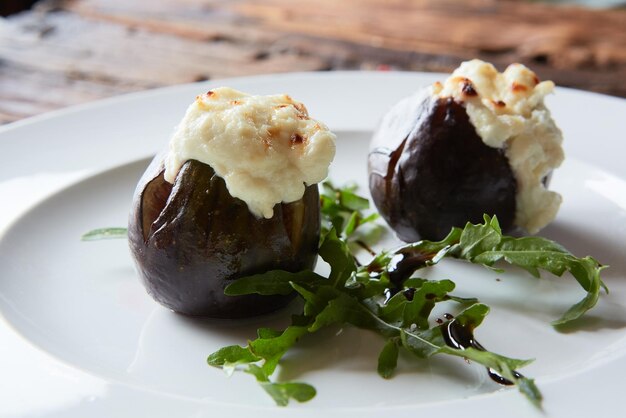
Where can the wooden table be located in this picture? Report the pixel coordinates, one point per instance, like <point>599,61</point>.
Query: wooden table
<point>67,52</point>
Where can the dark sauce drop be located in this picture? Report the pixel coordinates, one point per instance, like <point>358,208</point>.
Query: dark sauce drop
<point>455,335</point>
<point>461,337</point>
<point>404,263</point>
<point>402,266</point>
<point>498,378</point>
<point>409,293</point>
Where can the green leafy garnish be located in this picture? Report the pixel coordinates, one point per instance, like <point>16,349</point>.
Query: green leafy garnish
<point>105,233</point>
<point>345,212</point>
<point>486,245</point>
<point>401,320</point>
<point>388,358</point>
<point>385,297</point>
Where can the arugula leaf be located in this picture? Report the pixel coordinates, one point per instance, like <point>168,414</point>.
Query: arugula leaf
<point>274,282</point>
<point>282,392</point>
<point>388,358</point>
<point>384,297</point>
<point>406,311</point>
<point>353,202</point>
<point>484,244</point>
<point>477,239</point>
<point>228,358</point>
<point>431,342</point>
<point>360,296</point>
<point>337,254</point>
<point>104,233</point>
<point>344,210</point>
<point>231,355</point>
<point>268,333</point>
<point>261,357</point>
<point>529,389</point>
<point>272,349</point>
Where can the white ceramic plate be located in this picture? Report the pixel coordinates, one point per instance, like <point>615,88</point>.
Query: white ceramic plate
<point>80,337</point>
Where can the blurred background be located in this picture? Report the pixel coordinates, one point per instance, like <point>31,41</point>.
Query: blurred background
<point>56,53</point>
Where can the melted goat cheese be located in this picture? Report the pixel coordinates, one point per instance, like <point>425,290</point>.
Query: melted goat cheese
<point>508,111</point>
<point>266,148</point>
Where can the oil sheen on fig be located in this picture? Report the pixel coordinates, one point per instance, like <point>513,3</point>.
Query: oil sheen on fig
<point>429,171</point>
<point>192,238</point>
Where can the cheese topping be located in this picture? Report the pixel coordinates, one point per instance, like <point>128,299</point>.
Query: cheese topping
<point>266,148</point>
<point>508,111</point>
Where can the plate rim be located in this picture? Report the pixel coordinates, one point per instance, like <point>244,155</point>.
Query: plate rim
<point>271,78</point>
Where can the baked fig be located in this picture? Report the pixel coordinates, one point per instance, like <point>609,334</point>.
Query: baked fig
<point>191,237</point>
<point>481,143</point>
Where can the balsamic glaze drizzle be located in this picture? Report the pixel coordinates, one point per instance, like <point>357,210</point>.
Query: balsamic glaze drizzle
<point>404,263</point>
<point>461,337</point>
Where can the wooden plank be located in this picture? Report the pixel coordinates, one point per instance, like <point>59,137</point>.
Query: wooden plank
<point>137,56</point>
<point>575,47</point>
<point>556,34</point>
<point>191,19</point>
<point>75,60</point>
<point>77,51</point>
<point>25,91</point>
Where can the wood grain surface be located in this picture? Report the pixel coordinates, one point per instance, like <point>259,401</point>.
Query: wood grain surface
<point>67,52</point>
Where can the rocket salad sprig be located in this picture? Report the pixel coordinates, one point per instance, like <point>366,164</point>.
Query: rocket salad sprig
<point>384,297</point>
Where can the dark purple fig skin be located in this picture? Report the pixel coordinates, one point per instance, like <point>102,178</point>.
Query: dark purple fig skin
<point>191,239</point>
<point>429,171</point>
